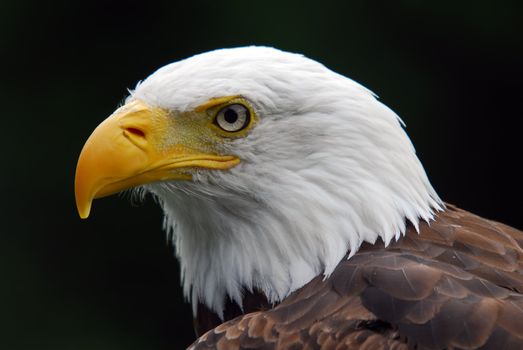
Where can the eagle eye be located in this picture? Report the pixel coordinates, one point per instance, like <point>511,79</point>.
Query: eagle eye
<point>233,118</point>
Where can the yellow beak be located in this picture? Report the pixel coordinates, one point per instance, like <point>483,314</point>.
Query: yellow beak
<point>132,148</point>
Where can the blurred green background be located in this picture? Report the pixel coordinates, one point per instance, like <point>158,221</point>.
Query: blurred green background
<point>452,70</point>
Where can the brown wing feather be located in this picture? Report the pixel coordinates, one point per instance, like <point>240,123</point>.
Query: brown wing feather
<point>456,285</point>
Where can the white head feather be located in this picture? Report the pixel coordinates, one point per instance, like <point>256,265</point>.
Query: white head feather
<point>326,168</point>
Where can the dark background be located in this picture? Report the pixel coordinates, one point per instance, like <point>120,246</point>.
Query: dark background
<point>452,70</point>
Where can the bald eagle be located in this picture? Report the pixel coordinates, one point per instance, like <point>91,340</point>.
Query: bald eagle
<point>301,215</point>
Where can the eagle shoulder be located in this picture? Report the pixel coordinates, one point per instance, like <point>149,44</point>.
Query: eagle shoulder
<point>456,285</point>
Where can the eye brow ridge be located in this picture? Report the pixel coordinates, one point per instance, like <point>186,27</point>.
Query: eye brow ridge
<point>215,101</point>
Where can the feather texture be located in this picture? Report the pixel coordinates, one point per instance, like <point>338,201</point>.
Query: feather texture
<point>456,285</point>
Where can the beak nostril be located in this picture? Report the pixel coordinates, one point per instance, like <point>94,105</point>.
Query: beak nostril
<point>136,132</point>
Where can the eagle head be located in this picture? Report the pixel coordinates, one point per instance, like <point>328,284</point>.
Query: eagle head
<point>270,169</point>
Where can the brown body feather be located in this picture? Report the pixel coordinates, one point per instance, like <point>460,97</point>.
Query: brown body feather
<point>458,284</point>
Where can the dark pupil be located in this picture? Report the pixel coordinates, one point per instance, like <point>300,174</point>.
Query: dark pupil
<point>230,116</point>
